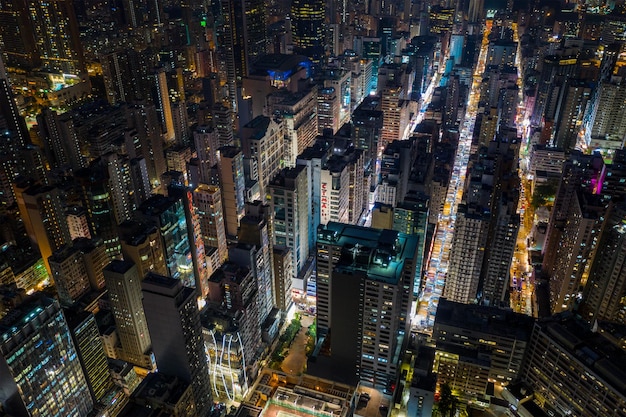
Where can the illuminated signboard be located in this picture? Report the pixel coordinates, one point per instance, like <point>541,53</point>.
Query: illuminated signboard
<point>325,197</point>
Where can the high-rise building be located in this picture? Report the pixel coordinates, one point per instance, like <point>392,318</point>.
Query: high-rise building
<point>562,64</point>
<point>395,168</point>
<point>125,75</point>
<point>360,77</point>
<point>359,184</point>
<point>245,29</point>
<point>174,322</point>
<point>24,267</point>
<point>290,202</point>
<point>331,239</point>
<point>334,191</point>
<point>232,184</point>
<point>451,104</point>
<point>142,13</point>
<point>371,49</point>
<point>223,123</point>
<point>143,119</point>
<point>501,53</point>
<point>476,345</point>
<point>271,72</point>
<point>328,109</point>
<point>578,171</point>
<point>10,118</point>
<point>95,258</point>
<point>180,122</point>
<point>339,80</point>
<point>364,291</point>
<point>41,209</point>
<point>604,296</point>
<point>441,19</point>
<point>142,245</point>
<point>299,114</point>
<point>40,372</point>
<point>78,222</point>
<point>576,248</point>
<point>206,145</point>
<point>86,338</point>
<point>244,39</point>
<point>569,117</point>
<point>307,25</point>
<point>120,184</point>
<point>488,126</point>
<point>234,287</point>
<point>411,217</point>
<point>466,256</point>
<point>168,214</point>
<point>225,336</point>
<point>367,124</point>
<point>159,393</point>
<point>382,216</point>
<point>201,269</point>
<point>57,37</point>
<point>16,36</point>
<point>485,233</point>
<point>161,99</point>
<point>263,140</point>
<point>283,277</point>
<point>177,157</point>
<point>124,285</point>
<point>208,201</point>
<point>476,11</point>
<point>255,251</point>
<point>140,179</point>
<point>498,255</point>
<point>607,119</point>
<point>574,370</point>
<point>69,273</point>
<point>97,199</point>
<point>314,157</point>
<point>395,112</point>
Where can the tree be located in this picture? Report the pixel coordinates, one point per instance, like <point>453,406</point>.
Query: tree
<point>448,403</point>
<point>543,194</point>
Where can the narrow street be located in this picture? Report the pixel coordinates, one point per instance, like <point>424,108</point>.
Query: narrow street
<point>437,265</point>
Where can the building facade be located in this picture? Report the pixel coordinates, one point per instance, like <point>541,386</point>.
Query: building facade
<point>37,351</point>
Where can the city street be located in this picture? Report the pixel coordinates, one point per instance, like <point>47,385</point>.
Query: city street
<point>437,265</point>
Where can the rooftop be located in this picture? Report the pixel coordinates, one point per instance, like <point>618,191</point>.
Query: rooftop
<point>119,267</point>
<point>319,150</point>
<point>303,396</point>
<point>381,253</point>
<point>135,233</point>
<point>229,151</point>
<point>484,319</point>
<point>230,270</point>
<point>156,205</point>
<point>285,177</point>
<point>592,349</point>
<point>20,316</point>
<point>279,62</point>
<point>162,388</point>
<point>159,284</point>
<point>256,127</point>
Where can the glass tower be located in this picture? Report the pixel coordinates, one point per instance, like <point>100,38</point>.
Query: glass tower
<point>40,373</point>
<point>308,28</point>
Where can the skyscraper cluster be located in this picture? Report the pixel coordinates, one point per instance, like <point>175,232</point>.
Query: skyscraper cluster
<point>435,188</point>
